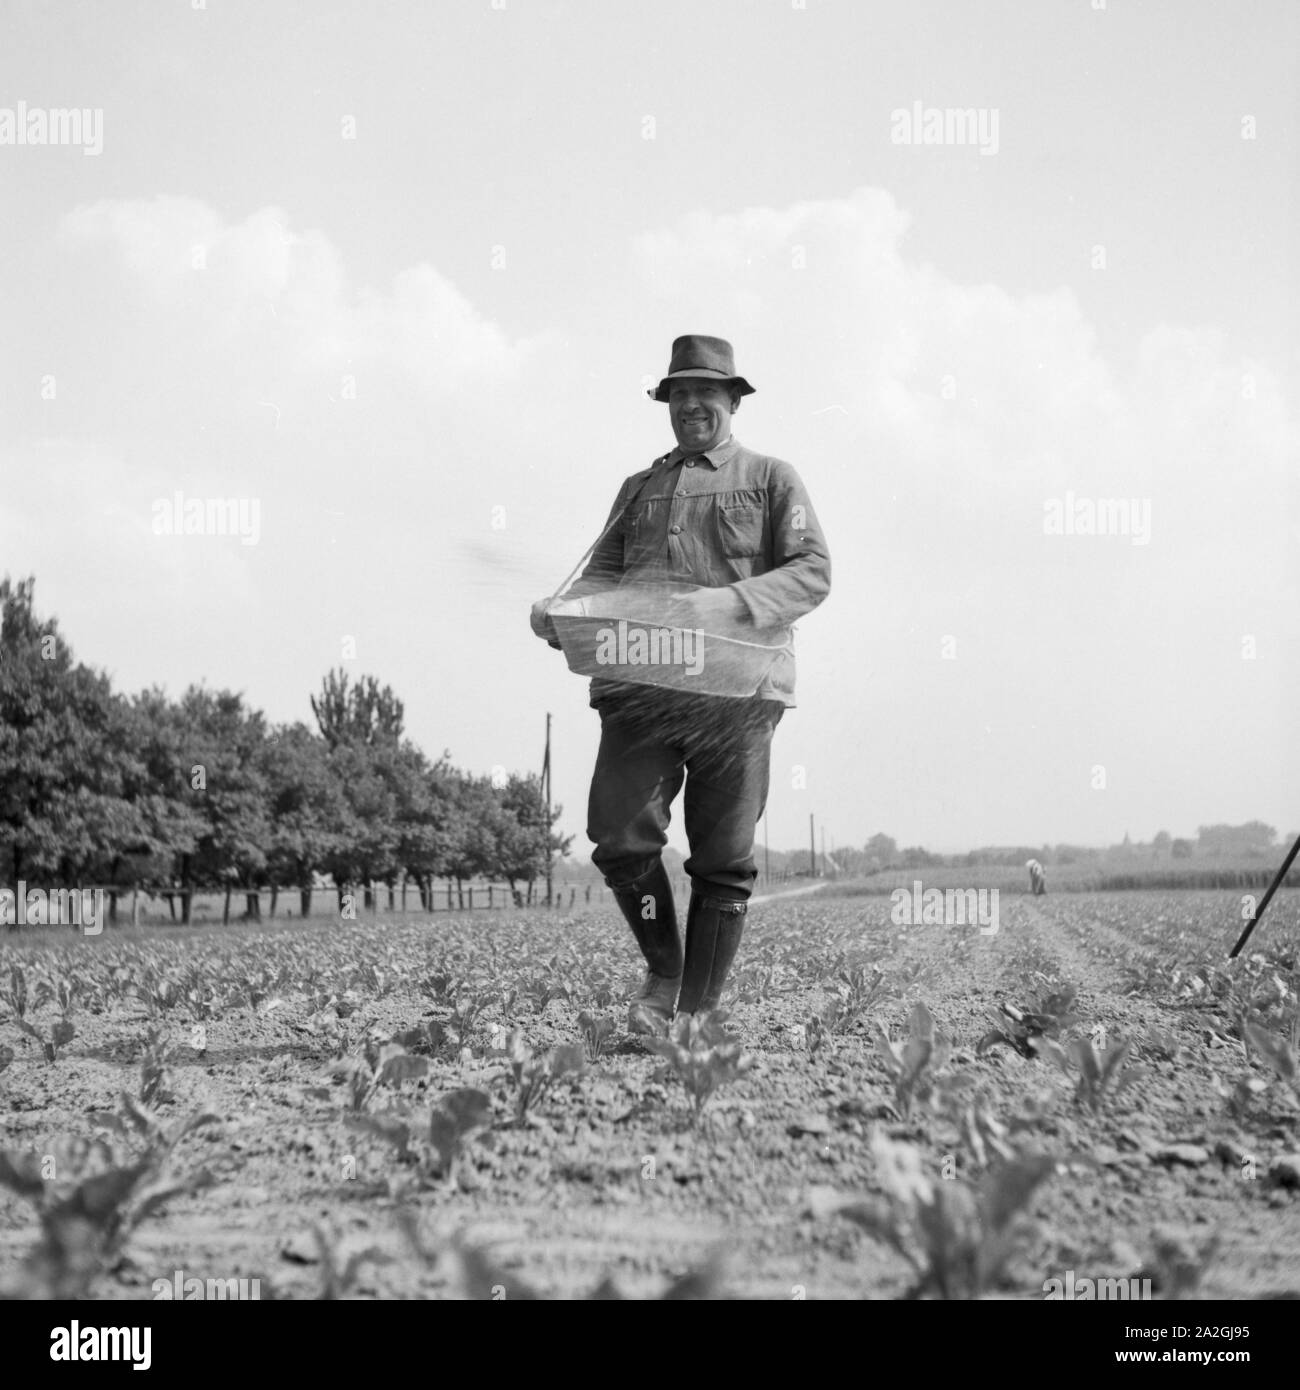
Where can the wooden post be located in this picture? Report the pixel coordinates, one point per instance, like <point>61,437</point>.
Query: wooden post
<point>546,787</point>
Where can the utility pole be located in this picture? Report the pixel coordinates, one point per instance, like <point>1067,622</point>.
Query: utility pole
<point>823,849</point>
<point>812,845</point>
<point>546,787</point>
<point>767,872</point>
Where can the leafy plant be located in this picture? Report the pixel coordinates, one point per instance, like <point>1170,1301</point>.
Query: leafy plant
<point>703,1054</point>
<point>87,1219</point>
<point>62,1032</point>
<point>456,1118</point>
<point>596,1032</point>
<point>155,1069</point>
<point>15,993</point>
<point>1102,1072</point>
<point>433,1145</point>
<point>908,1062</point>
<point>426,1039</point>
<point>1279,1052</point>
<point>1032,1030</point>
<point>958,1238</point>
<point>535,1073</point>
<point>817,1035</point>
<point>956,1099</point>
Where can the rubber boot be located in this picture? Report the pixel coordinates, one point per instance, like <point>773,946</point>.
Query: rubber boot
<point>647,904</point>
<point>714,928</point>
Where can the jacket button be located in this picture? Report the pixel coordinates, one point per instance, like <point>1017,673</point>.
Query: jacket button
<point>676,530</point>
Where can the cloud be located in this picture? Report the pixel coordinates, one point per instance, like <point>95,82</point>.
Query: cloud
<point>258,289</point>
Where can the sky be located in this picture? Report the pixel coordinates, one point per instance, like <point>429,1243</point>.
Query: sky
<point>397,276</point>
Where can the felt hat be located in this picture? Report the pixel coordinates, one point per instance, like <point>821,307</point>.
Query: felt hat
<point>700,356</point>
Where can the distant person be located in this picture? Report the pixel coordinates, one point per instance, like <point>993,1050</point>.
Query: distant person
<point>739,524</point>
<point>1037,878</point>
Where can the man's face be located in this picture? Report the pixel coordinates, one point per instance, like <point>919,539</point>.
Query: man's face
<point>700,411</point>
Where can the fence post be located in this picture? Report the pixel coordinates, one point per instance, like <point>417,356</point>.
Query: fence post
<point>471,897</point>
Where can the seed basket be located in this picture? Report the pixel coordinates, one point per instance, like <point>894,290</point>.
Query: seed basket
<point>621,635</point>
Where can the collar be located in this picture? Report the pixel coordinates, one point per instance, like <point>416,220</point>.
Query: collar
<point>715,457</point>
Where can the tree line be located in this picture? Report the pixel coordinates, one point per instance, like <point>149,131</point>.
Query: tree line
<point>202,793</point>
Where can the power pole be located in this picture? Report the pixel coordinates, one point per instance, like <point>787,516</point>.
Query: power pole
<point>546,787</point>
<point>823,849</point>
<point>767,872</point>
<point>812,845</point>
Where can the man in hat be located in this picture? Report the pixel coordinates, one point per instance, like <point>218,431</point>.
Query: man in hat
<point>738,527</point>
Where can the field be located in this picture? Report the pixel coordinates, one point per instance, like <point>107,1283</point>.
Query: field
<point>439,1107</point>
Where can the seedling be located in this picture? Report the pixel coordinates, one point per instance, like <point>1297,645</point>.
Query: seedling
<point>908,1062</point>
<point>818,1035</point>
<point>596,1032</point>
<point>1031,1031</point>
<point>534,1074</point>
<point>1102,1073</point>
<point>456,1118</point>
<point>62,1033</point>
<point>1279,1052</point>
<point>155,1069</point>
<point>957,1237</point>
<point>87,1220</point>
<point>703,1054</point>
<point>956,1098</point>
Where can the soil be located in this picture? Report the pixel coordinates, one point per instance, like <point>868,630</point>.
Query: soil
<point>610,1179</point>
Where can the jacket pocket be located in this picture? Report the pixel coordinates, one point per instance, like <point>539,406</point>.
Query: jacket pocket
<point>740,529</point>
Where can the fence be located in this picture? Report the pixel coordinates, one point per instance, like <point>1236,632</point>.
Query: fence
<point>196,905</point>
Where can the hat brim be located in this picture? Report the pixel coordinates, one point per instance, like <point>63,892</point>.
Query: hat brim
<point>700,373</point>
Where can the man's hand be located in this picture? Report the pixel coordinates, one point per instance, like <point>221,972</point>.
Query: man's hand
<point>542,625</point>
<point>713,610</point>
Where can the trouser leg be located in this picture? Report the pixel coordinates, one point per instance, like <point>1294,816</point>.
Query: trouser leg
<point>636,777</point>
<point>727,779</point>
<point>727,775</point>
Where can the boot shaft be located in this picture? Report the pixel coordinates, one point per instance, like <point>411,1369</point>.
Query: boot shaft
<point>649,909</point>
<point>714,928</point>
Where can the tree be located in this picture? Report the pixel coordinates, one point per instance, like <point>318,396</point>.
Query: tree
<point>1252,838</point>
<point>170,818</point>
<point>364,713</point>
<point>222,744</point>
<point>303,801</point>
<point>65,752</point>
<point>365,836</point>
<point>1162,844</point>
<point>880,852</point>
<point>474,832</point>
<point>526,841</point>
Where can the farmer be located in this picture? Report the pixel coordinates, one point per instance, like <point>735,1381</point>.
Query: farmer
<point>1037,878</point>
<point>739,528</point>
